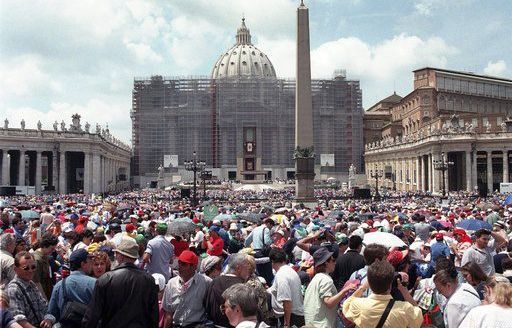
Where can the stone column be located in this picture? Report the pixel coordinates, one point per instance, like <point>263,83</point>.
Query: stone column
<point>474,170</point>
<point>55,172</point>
<point>87,173</point>
<point>435,175</point>
<point>404,175</point>
<point>62,173</point>
<point>418,174</point>
<point>489,172</point>
<point>304,167</point>
<point>424,187</point>
<point>446,177</point>
<point>96,173</point>
<point>505,165</point>
<point>5,168</point>
<point>469,185</point>
<point>429,172</point>
<point>21,169</point>
<point>38,172</point>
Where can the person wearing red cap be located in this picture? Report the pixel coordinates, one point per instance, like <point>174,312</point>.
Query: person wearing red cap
<point>183,295</point>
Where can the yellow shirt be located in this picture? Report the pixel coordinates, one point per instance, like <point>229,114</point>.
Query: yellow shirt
<point>366,312</point>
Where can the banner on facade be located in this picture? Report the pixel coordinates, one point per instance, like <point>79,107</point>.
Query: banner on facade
<point>170,160</point>
<point>327,159</point>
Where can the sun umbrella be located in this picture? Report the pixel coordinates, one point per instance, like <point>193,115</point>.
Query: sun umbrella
<point>29,215</point>
<point>266,209</point>
<point>445,224</point>
<point>484,206</point>
<point>383,238</point>
<point>330,221</point>
<point>223,217</point>
<point>251,217</point>
<point>181,226</point>
<point>335,214</point>
<point>474,224</point>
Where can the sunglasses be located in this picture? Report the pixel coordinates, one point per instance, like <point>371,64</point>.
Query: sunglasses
<point>28,268</point>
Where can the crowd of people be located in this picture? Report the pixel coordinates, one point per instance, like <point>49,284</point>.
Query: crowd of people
<point>244,259</point>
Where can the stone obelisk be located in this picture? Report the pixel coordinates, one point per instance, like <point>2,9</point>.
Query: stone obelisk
<point>304,156</point>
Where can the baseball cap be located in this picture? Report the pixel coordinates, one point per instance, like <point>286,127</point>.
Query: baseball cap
<point>395,257</point>
<point>214,228</point>
<point>161,227</point>
<point>130,228</point>
<point>341,238</point>
<point>78,256</point>
<point>188,257</point>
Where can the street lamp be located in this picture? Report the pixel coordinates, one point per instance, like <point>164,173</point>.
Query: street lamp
<point>378,174</point>
<point>195,166</point>
<point>442,165</point>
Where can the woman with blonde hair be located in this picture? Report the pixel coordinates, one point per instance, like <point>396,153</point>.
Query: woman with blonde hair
<point>498,309</point>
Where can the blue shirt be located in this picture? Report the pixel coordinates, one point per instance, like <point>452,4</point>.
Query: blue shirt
<point>79,288</point>
<point>439,249</point>
<point>256,237</point>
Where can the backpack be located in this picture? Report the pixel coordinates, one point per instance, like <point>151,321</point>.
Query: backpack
<point>358,279</point>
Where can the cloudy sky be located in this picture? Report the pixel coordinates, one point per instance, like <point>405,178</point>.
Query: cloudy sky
<point>58,57</point>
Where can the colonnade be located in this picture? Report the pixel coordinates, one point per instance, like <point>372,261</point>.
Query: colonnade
<point>470,169</point>
<point>64,171</point>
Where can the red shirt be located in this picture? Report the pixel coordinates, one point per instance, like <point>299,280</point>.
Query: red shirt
<point>217,244</point>
<point>179,246</point>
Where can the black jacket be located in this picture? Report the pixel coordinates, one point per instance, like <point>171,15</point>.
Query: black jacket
<point>123,297</point>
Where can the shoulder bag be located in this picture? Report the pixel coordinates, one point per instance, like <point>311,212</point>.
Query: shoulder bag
<point>73,312</point>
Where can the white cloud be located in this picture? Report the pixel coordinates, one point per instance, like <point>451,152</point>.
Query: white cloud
<point>383,61</point>
<point>281,54</point>
<point>23,76</point>
<point>143,51</point>
<point>497,68</point>
<point>424,7</point>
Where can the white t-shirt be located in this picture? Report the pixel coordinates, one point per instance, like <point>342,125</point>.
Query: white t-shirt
<point>459,304</point>
<point>251,324</point>
<point>287,287</point>
<point>488,316</point>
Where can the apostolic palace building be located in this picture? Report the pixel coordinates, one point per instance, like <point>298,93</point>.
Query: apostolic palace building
<point>456,120</point>
<point>241,121</point>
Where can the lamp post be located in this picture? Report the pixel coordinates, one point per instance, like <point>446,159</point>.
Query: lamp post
<point>195,166</point>
<point>442,165</point>
<point>378,174</point>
